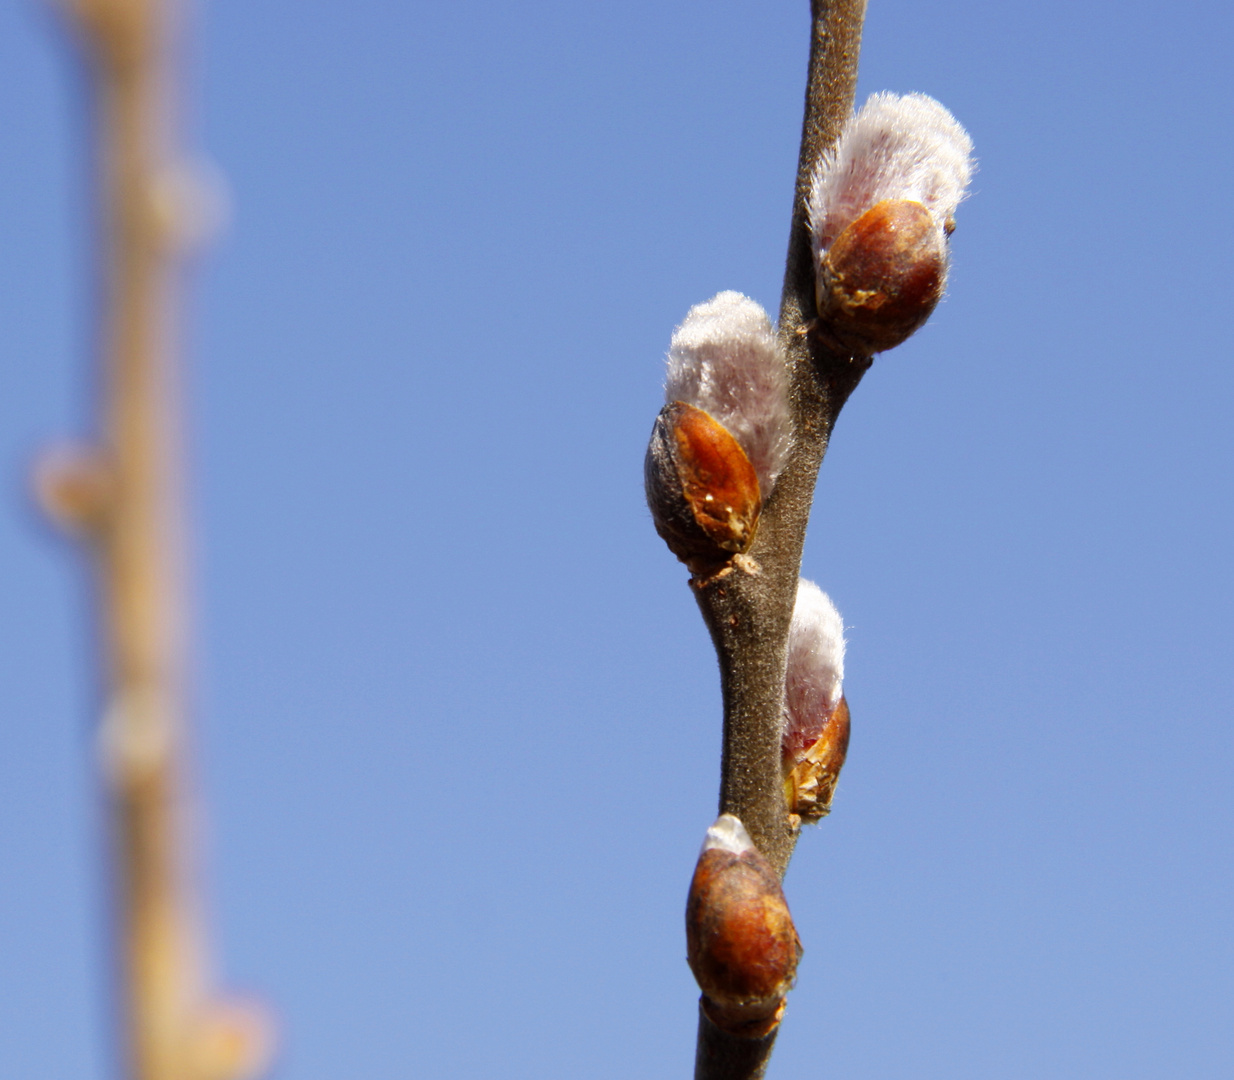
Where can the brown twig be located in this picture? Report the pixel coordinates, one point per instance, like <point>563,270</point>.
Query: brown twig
<point>748,609</point>
<point>125,499</point>
<point>721,1056</point>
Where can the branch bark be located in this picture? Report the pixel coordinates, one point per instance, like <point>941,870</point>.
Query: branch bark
<point>125,498</point>
<point>748,611</point>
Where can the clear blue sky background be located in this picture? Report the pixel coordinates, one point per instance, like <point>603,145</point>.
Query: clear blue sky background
<point>458,717</point>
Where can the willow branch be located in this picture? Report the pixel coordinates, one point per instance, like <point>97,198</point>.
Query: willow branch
<point>124,497</point>
<point>748,614</point>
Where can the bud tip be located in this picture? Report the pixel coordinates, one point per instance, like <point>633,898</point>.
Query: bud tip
<point>728,834</point>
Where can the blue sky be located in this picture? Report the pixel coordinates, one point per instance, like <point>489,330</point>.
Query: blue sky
<point>456,713</point>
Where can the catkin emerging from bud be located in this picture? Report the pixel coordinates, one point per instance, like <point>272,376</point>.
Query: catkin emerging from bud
<point>701,489</point>
<point>816,720</point>
<point>881,207</point>
<point>725,360</point>
<point>721,441</point>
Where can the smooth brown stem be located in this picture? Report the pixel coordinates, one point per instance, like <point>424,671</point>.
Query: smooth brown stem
<point>721,1056</point>
<point>161,955</point>
<point>174,1027</point>
<point>748,609</point>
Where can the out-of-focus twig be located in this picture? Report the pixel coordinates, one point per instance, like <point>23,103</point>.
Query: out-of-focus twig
<point>749,614</point>
<point>124,499</point>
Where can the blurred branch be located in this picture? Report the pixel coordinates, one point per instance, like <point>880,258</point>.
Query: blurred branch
<point>125,499</point>
<point>748,614</point>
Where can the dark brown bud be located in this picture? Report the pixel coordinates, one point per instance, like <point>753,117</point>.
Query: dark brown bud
<point>882,277</point>
<point>701,488</point>
<point>740,939</point>
<point>811,777</point>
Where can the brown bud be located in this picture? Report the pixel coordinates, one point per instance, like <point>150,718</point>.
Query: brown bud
<point>882,276</point>
<point>740,939</point>
<point>231,1040</point>
<point>74,486</point>
<point>812,774</point>
<point>701,488</point>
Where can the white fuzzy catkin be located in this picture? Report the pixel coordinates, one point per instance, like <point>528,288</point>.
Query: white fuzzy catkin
<point>896,147</point>
<point>815,675</point>
<point>728,834</point>
<point>725,359</point>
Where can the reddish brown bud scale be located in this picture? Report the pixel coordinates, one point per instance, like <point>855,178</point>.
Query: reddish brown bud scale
<point>740,940</point>
<point>812,773</point>
<point>882,277</point>
<point>701,488</point>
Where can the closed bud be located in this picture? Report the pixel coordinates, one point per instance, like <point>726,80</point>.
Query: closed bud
<point>74,486</point>
<point>701,488</point>
<point>232,1040</point>
<point>816,721</point>
<point>740,940</point>
<point>881,207</point>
